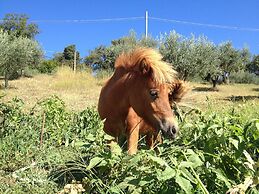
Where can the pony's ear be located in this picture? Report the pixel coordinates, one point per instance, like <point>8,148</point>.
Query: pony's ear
<point>144,67</point>
<point>179,89</point>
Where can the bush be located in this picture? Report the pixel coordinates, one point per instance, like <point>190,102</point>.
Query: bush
<point>47,66</point>
<point>213,153</point>
<point>244,77</point>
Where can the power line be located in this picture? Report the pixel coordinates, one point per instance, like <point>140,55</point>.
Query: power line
<point>205,25</point>
<point>141,18</point>
<point>49,51</point>
<point>87,20</point>
<point>84,20</point>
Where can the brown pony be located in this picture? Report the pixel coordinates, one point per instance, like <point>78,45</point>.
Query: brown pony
<point>138,90</point>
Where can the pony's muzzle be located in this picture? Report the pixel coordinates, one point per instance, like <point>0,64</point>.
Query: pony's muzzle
<point>169,128</point>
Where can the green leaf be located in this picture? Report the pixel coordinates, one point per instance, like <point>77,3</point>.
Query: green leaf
<point>188,175</point>
<point>248,157</point>
<point>136,190</point>
<point>214,126</point>
<point>167,174</point>
<point>123,185</point>
<point>93,162</point>
<point>90,137</point>
<point>234,142</point>
<point>134,160</point>
<point>79,143</point>
<point>185,164</point>
<point>142,183</point>
<point>114,190</point>
<point>221,177</point>
<point>158,160</point>
<point>257,125</point>
<point>184,184</point>
<point>115,149</point>
<point>195,160</point>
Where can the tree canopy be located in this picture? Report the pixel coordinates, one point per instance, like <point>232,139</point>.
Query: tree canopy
<point>189,56</point>
<point>253,66</point>
<point>17,25</point>
<point>69,53</point>
<point>16,53</point>
<point>193,56</point>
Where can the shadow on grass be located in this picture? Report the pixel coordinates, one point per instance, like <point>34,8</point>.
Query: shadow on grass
<point>63,175</point>
<point>256,89</point>
<point>205,89</point>
<point>8,88</point>
<point>77,171</point>
<point>241,98</point>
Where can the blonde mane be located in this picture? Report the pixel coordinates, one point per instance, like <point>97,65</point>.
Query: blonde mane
<point>162,72</point>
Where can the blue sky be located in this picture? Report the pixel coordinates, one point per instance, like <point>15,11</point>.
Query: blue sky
<point>55,35</point>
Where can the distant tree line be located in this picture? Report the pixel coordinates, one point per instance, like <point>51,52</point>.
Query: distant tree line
<point>193,57</point>
<point>19,50</point>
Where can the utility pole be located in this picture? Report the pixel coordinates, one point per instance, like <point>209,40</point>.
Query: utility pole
<point>75,60</point>
<point>146,24</point>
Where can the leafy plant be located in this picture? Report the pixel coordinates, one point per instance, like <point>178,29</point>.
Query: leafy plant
<point>49,146</point>
<point>47,66</point>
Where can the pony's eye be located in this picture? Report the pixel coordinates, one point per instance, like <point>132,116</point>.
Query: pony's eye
<point>153,94</point>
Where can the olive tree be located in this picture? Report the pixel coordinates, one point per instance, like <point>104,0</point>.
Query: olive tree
<point>189,56</point>
<point>16,53</point>
<point>18,25</point>
<point>253,66</point>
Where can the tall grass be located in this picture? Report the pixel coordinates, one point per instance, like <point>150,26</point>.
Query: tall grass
<point>66,79</point>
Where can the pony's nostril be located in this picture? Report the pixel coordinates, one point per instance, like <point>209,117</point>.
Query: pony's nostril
<point>169,128</point>
<point>172,132</point>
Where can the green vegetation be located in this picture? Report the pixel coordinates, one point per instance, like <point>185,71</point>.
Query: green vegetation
<point>18,48</point>
<point>193,57</point>
<point>17,25</point>
<point>16,54</point>
<point>47,66</point>
<point>244,77</point>
<point>254,65</point>
<point>47,147</point>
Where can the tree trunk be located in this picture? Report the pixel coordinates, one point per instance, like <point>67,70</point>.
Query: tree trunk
<point>22,73</point>
<point>6,80</point>
<point>214,82</point>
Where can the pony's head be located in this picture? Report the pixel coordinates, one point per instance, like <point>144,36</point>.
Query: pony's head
<point>149,85</point>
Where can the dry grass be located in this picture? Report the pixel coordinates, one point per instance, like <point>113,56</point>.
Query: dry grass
<point>82,89</point>
<point>227,95</point>
<point>77,90</point>
<point>65,80</point>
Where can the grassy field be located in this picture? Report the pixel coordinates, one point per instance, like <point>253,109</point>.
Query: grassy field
<point>82,90</point>
<point>77,90</point>
<point>55,144</point>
